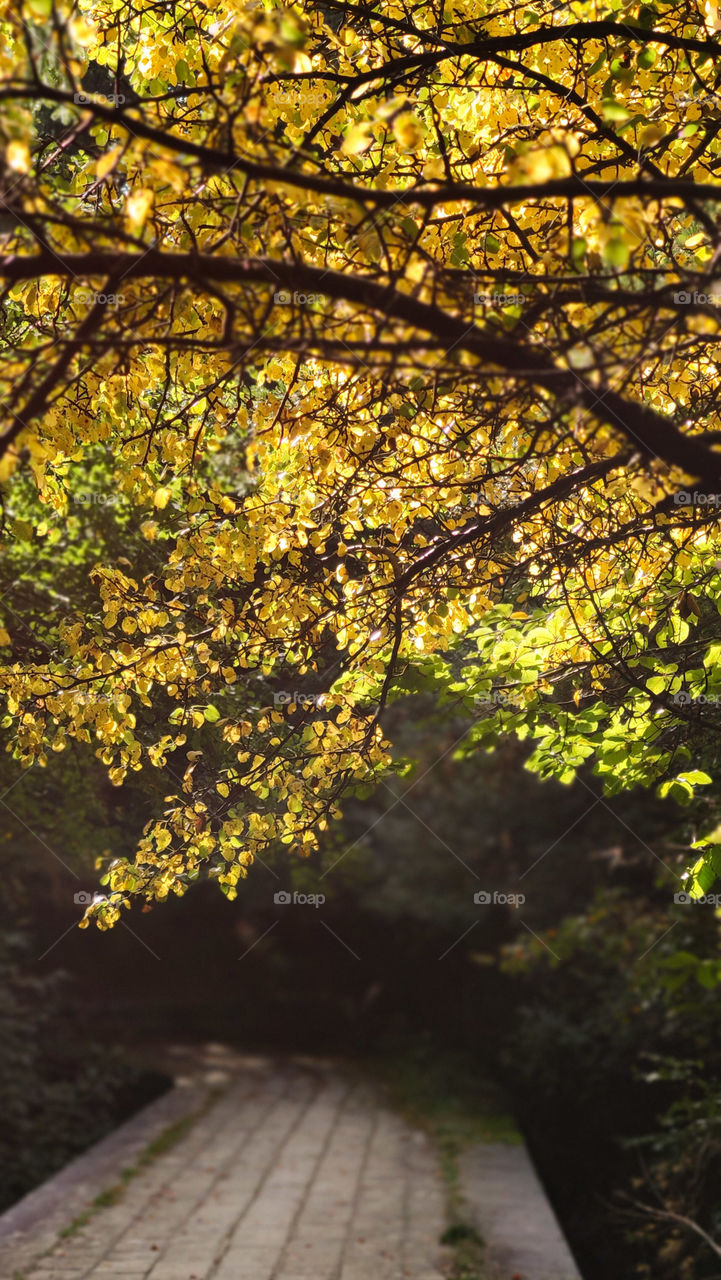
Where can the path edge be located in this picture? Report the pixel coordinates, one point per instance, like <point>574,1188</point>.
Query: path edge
<point>32,1225</point>
<point>514,1215</point>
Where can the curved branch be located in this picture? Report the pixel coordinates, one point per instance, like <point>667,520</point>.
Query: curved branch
<point>217,161</point>
<point>655,435</point>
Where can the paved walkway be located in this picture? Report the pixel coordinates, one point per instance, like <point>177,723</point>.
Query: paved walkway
<point>508,1203</point>
<point>292,1173</point>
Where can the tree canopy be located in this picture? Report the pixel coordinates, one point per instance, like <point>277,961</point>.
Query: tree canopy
<point>350,350</point>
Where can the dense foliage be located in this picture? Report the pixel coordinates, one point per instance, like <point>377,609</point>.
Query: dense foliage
<point>380,344</point>
<point>615,1059</point>
<point>62,1089</point>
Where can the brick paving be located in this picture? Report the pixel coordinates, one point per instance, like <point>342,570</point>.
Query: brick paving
<point>292,1173</point>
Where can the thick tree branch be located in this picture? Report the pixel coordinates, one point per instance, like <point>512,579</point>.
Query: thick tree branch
<point>217,161</point>
<point>655,435</point>
<point>486,45</point>
<point>496,525</point>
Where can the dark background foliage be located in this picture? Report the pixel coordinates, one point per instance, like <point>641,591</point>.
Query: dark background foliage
<point>592,1001</point>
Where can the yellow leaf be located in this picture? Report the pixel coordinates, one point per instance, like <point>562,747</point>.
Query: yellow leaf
<point>433,170</point>
<point>107,162</point>
<point>161,497</point>
<point>82,31</point>
<point>17,157</point>
<point>139,205</point>
<point>357,139</point>
<point>408,131</point>
<point>652,134</point>
<point>7,465</point>
<point>540,164</point>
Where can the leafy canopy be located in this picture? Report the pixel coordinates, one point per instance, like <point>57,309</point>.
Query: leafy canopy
<point>350,349</point>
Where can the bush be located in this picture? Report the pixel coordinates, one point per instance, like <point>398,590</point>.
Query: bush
<point>61,1091</point>
<point>617,1113</point>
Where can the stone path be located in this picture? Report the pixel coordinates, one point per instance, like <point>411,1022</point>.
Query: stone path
<point>508,1203</point>
<point>292,1173</point>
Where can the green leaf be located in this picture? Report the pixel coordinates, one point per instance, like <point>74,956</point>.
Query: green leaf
<point>656,684</point>
<point>616,253</point>
<point>613,110</point>
<point>410,227</point>
<point>704,878</point>
<point>647,16</point>
<point>707,974</point>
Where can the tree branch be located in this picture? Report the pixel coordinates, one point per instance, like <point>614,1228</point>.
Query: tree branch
<point>656,436</point>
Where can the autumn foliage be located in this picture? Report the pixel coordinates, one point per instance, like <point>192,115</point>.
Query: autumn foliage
<point>384,340</point>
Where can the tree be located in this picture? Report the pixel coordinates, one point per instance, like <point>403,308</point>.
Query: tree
<point>389,336</point>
